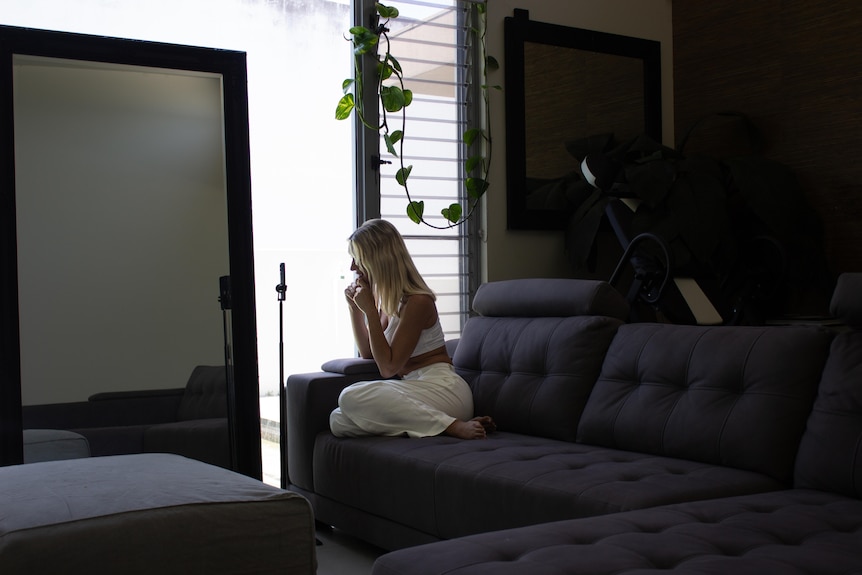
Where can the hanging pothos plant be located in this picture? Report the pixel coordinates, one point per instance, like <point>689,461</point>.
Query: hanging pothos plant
<point>393,99</point>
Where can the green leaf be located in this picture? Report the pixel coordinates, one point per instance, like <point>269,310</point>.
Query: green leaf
<point>392,98</point>
<point>390,144</point>
<point>396,136</point>
<point>346,85</point>
<point>492,64</point>
<point>476,187</point>
<point>452,213</point>
<point>415,211</point>
<point>394,62</point>
<point>471,163</point>
<point>345,107</point>
<point>384,70</point>
<point>471,135</point>
<point>402,175</point>
<point>386,11</point>
<point>364,40</point>
<point>408,97</point>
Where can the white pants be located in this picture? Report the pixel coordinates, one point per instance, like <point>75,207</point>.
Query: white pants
<point>424,403</point>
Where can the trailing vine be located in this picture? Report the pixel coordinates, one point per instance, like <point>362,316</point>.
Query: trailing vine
<point>393,99</point>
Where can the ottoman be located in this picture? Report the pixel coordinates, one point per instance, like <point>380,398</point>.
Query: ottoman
<point>149,513</point>
<point>54,444</point>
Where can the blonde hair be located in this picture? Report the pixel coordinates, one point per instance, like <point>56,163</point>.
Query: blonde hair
<point>379,251</point>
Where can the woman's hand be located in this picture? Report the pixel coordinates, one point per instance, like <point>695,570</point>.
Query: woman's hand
<point>350,293</point>
<point>363,297</point>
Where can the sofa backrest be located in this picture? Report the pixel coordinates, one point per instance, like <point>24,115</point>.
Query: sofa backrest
<point>731,396</point>
<point>830,453</point>
<point>205,396</point>
<point>534,350</point>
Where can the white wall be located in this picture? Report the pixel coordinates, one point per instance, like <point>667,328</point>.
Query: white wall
<point>516,254</point>
<point>122,227</point>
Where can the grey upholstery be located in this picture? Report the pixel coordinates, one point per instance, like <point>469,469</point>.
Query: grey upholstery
<point>830,454</point>
<point>815,527</point>
<point>54,445</point>
<point>715,395</point>
<point>205,395</point>
<point>149,513</point>
<point>190,420</point>
<point>532,354</point>
<point>781,533</point>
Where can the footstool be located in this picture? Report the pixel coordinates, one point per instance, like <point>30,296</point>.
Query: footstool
<point>54,444</point>
<point>149,513</point>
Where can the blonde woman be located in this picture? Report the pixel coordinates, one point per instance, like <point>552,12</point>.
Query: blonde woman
<point>395,322</point>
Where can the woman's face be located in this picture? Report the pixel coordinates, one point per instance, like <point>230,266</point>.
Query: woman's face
<point>354,267</point>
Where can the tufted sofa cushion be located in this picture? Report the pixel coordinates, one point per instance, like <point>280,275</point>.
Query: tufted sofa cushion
<point>205,395</point>
<point>737,397</point>
<point>534,351</point>
<point>794,531</point>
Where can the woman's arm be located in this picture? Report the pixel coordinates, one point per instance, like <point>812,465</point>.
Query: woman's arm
<point>357,321</point>
<point>418,312</point>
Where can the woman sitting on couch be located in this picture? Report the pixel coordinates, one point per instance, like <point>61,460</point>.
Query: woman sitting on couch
<point>395,322</point>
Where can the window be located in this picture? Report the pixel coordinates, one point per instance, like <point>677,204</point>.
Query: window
<point>430,40</point>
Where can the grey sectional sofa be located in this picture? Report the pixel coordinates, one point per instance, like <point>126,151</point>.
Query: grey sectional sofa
<point>596,419</point>
<point>814,526</point>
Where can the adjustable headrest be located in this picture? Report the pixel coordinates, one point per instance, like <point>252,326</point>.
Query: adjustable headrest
<point>846,302</point>
<point>547,297</point>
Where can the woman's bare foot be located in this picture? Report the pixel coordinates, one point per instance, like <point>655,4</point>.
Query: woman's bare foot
<point>466,429</point>
<point>487,423</point>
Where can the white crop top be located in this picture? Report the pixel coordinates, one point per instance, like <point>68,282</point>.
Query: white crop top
<point>429,339</point>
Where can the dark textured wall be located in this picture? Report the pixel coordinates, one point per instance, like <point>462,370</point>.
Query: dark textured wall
<point>795,68</point>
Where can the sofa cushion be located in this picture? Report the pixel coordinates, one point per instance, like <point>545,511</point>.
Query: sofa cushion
<point>205,396</point>
<point>735,396</point>
<point>793,531</point>
<point>549,297</point>
<point>447,487</point>
<point>534,352</point>
<point>830,452</point>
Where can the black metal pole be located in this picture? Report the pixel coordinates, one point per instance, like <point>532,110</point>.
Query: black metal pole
<point>281,288</point>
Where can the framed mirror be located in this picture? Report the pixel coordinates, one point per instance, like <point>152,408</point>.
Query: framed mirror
<point>564,87</point>
<point>125,199</point>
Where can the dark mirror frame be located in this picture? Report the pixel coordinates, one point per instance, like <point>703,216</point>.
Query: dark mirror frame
<point>519,30</point>
<point>244,417</point>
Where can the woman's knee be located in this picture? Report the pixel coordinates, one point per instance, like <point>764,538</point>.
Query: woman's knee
<point>360,394</point>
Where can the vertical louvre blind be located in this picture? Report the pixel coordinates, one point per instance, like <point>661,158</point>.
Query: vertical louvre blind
<point>430,40</point>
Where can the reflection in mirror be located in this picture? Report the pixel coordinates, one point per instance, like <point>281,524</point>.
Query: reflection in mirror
<point>131,200</point>
<point>117,284</point>
<point>565,87</point>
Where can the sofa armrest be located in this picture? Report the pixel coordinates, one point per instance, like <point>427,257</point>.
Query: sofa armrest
<point>351,366</point>
<point>311,397</point>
